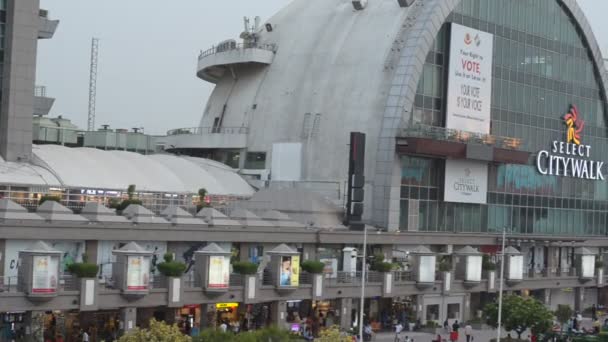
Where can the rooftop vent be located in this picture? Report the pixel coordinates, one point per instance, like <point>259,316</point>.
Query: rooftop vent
<point>359,5</point>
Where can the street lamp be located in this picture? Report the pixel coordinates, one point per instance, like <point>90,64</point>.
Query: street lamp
<point>502,275</point>
<point>363,262</point>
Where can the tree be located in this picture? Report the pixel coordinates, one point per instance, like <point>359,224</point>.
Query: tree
<point>333,334</point>
<point>158,332</point>
<point>563,313</point>
<point>520,313</point>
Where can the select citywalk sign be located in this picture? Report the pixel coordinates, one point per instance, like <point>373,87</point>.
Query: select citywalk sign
<point>570,158</point>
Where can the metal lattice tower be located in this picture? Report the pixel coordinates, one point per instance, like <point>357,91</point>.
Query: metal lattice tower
<point>93,83</point>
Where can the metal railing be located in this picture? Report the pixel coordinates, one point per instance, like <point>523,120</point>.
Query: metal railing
<point>403,276</point>
<point>236,279</point>
<point>69,282</point>
<point>306,278</point>
<point>40,91</point>
<point>208,130</point>
<point>8,284</point>
<point>453,135</point>
<point>231,46</point>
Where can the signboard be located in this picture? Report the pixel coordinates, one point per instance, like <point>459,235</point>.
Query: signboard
<point>219,272</point>
<point>470,80</point>
<point>466,181</point>
<point>469,97</point>
<point>226,305</point>
<point>45,277</point>
<point>290,270</point>
<point>331,267</point>
<point>570,158</point>
<point>138,273</point>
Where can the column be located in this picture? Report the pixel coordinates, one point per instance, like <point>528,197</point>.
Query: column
<point>208,313</point>
<point>90,248</point>
<point>278,313</point>
<point>579,296</point>
<point>128,317</point>
<point>553,260</point>
<point>466,310</point>
<point>345,306</point>
<point>2,256</point>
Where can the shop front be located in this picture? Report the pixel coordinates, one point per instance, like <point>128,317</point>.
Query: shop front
<point>228,313</point>
<point>12,327</point>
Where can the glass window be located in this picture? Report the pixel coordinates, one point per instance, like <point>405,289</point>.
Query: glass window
<point>255,161</point>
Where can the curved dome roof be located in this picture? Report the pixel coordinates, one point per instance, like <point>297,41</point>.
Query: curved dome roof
<point>56,165</point>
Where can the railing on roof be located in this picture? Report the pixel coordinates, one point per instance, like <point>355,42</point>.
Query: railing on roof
<point>453,135</point>
<point>208,130</point>
<point>40,91</point>
<point>231,46</point>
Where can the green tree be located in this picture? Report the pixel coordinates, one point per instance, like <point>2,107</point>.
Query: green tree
<point>333,334</point>
<point>520,313</point>
<point>271,334</point>
<point>158,332</point>
<point>563,313</point>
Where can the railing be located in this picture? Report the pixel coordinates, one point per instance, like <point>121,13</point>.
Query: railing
<point>453,135</point>
<point>69,282</point>
<point>403,276</point>
<point>8,284</point>
<point>40,91</point>
<point>306,278</point>
<point>230,46</point>
<point>208,130</point>
<point>236,279</point>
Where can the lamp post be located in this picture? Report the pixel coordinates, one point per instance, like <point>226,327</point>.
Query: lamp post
<point>502,274</point>
<point>362,304</point>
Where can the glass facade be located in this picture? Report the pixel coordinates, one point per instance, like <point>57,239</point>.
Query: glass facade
<point>541,66</point>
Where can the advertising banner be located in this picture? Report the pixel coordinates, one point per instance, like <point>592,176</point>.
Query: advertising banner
<point>331,267</point>
<point>219,272</point>
<point>45,277</point>
<point>138,273</point>
<point>470,80</point>
<point>466,181</point>
<point>290,271</point>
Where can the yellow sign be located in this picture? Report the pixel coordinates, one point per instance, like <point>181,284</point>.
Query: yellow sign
<point>226,305</point>
<point>295,270</point>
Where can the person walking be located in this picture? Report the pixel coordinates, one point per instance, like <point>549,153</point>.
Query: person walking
<point>468,332</point>
<point>454,333</point>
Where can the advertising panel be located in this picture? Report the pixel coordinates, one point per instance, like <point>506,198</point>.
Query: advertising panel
<point>45,277</point>
<point>426,272</point>
<point>470,80</point>
<point>290,270</point>
<point>331,267</point>
<point>219,272</point>
<point>469,97</point>
<point>138,273</point>
<point>466,181</point>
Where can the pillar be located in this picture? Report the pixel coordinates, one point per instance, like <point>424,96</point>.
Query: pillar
<point>208,316</point>
<point>553,260</point>
<point>579,297</point>
<point>90,249</point>
<point>345,306</point>
<point>278,313</point>
<point>466,310</point>
<point>2,256</point>
<point>33,321</point>
<point>128,317</point>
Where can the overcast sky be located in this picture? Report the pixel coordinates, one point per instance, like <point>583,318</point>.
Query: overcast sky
<point>148,56</point>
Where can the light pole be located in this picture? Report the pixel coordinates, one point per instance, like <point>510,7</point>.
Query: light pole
<point>362,304</point>
<point>502,273</point>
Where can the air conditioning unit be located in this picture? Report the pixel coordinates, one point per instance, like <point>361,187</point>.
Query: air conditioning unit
<point>359,4</point>
<point>405,3</point>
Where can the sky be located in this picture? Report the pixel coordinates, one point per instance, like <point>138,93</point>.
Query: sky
<point>148,56</point>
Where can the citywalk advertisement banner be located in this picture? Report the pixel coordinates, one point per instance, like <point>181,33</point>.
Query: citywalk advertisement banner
<point>290,270</point>
<point>466,181</point>
<point>469,98</point>
<point>45,274</point>
<point>138,273</point>
<point>219,272</point>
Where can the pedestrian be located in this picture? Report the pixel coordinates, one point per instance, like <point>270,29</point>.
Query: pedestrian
<point>454,334</point>
<point>468,332</point>
<point>85,336</point>
<point>593,313</point>
<point>446,325</point>
<point>223,326</point>
<point>195,331</point>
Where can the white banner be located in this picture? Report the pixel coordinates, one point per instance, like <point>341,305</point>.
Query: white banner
<point>219,272</point>
<point>45,277</point>
<point>465,181</point>
<point>469,80</point>
<point>138,273</point>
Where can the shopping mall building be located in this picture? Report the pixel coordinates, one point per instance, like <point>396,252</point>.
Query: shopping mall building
<point>481,117</point>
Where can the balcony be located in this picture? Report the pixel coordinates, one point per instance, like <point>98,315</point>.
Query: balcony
<point>206,138</point>
<point>213,63</point>
<point>419,139</point>
<point>42,103</point>
<point>46,27</point>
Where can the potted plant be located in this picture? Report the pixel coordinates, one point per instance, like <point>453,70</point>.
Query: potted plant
<point>202,193</point>
<point>313,266</point>
<point>84,269</point>
<point>45,198</point>
<point>130,199</point>
<point>171,268</point>
<point>599,264</point>
<point>379,265</point>
<point>245,267</point>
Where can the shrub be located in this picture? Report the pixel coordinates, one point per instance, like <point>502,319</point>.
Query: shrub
<point>158,331</point>
<point>202,193</point>
<point>599,264</point>
<point>245,267</point>
<point>84,269</point>
<point>271,334</point>
<point>124,204</point>
<point>312,266</point>
<point>333,334</point>
<point>45,198</point>
<point>563,313</point>
<point>431,324</point>
<point>444,265</point>
<point>378,264</point>
<point>171,268</point>
<point>487,264</point>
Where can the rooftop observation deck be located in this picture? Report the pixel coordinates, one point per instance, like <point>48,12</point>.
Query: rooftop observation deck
<point>213,63</point>
<point>443,142</point>
<point>207,137</point>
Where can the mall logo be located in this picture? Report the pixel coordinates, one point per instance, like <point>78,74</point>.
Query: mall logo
<point>467,184</point>
<point>468,40</point>
<point>565,158</point>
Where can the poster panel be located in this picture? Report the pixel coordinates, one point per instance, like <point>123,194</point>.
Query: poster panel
<point>466,181</point>
<point>138,273</point>
<point>219,272</point>
<point>45,277</point>
<point>290,270</point>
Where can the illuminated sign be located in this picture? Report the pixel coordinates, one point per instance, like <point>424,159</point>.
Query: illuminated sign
<point>226,305</point>
<point>570,158</point>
